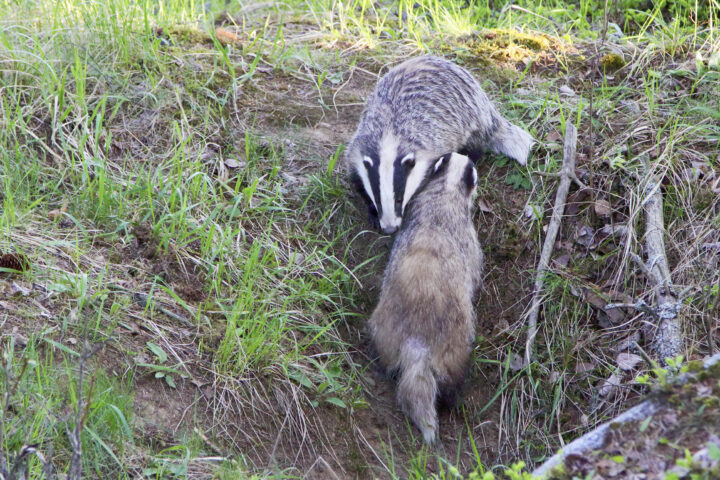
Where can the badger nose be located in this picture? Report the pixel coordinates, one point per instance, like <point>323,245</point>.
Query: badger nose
<point>390,229</point>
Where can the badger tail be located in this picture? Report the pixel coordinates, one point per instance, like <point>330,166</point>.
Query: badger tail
<point>512,141</point>
<point>417,388</point>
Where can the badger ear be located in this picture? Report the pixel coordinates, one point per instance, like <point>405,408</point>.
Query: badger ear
<point>439,163</point>
<point>470,177</point>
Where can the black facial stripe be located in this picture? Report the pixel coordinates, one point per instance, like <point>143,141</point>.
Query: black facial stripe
<point>357,184</point>
<point>374,178</point>
<point>468,177</point>
<point>399,181</point>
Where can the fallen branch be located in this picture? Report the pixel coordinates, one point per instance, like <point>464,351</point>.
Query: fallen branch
<point>567,176</point>
<point>596,438</point>
<point>668,338</point>
<point>664,315</point>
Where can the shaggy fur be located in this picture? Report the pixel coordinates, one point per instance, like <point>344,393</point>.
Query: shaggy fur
<point>421,109</point>
<point>424,324</point>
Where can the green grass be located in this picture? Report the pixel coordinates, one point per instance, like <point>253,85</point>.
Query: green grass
<point>177,200</point>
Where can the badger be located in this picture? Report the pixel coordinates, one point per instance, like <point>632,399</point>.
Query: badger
<point>419,110</point>
<point>423,326</point>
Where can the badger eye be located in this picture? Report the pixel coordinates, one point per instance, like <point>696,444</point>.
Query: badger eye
<point>367,161</point>
<point>408,162</point>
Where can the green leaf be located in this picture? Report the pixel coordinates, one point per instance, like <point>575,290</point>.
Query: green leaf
<point>713,451</point>
<point>336,401</point>
<point>158,352</point>
<point>169,380</point>
<point>645,423</point>
<point>301,378</point>
<point>517,181</point>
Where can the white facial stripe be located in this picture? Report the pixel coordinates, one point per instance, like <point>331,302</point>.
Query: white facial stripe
<point>362,171</point>
<point>414,180</point>
<point>388,152</point>
<point>456,169</point>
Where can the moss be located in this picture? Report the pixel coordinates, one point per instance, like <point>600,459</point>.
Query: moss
<point>714,371</point>
<point>612,62</point>
<point>187,34</point>
<point>695,366</point>
<point>501,45</point>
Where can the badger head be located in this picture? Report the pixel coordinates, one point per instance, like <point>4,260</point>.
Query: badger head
<point>387,174</point>
<point>458,173</point>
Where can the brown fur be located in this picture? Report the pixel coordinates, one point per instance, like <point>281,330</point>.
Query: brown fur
<point>424,323</point>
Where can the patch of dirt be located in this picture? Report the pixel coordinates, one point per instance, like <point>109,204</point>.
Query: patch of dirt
<point>186,276</point>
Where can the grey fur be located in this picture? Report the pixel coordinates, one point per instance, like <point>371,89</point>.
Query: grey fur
<point>424,324</point>
<point>424,107</point>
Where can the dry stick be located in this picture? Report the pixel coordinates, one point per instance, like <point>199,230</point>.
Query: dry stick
<point>596,438</point>
<point>567,175</point>
<point>668,340</point>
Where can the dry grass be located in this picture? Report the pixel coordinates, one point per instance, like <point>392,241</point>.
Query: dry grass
<point>173,187</point>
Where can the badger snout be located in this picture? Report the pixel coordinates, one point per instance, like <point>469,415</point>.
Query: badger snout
<point>390,226</point>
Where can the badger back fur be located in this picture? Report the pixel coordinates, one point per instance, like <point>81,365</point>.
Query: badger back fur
<point>424,324</point>
<point>421,109</point>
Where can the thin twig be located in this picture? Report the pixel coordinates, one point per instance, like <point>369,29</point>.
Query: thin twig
<point>567,174</point>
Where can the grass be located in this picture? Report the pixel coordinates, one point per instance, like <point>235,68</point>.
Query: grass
<point>177,195</point>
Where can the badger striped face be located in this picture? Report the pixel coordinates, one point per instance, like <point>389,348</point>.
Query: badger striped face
<point>459,172</point>
<point>390,175</point>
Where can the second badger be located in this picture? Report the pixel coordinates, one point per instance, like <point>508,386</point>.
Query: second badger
<point>424,324</point>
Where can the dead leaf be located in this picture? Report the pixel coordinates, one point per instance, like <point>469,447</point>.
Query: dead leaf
<point>619,230</point>
<point>517,362</point>
<point>609,468</point>
<point>628,361</point>
<point>484,207</point>
<point>609,385</point>
<point>292,179</point>
<point>629,343</point>
<point>554,136</point>
<point>582,367</point>
<point>562,260</point>
<point>15,288</point>
<point>602,208</point>
<point>234,163</point>
<point>58,212</point>
<point>225,36</point>
<point>533,211</point>
<point>584,235</point>
<point>703,390</point>
<point>567,91</point>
